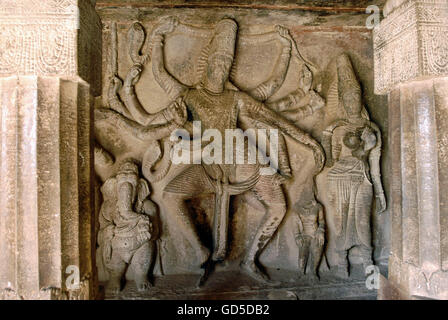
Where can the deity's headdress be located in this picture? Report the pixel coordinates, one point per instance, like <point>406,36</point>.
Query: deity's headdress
<point>347,81</point>
<point>222,43</point>
<point>128,167</point>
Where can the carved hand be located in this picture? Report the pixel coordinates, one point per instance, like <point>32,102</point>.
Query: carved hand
<point>316,101</point>
<point>380,203</point>
<point>144,228</point>
<point>142,195</point>
<point>107,237</point>
<point>320,237</point>
<point>115,85</point>
<point>133,75</point>
<point>300,240</point>
<point>107,252</point>
<point>319,156</point>
<point>178,112</point>
<point>285,37</point>
<point>166,25</point>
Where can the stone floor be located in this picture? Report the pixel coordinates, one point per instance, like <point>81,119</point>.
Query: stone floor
<point>233,285</point>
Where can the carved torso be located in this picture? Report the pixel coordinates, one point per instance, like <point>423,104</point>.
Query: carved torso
<point>309,215</point>
<point>215,111</point>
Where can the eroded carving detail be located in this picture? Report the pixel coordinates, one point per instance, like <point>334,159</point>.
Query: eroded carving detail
<point>129,226</point>
<point>310,236</point>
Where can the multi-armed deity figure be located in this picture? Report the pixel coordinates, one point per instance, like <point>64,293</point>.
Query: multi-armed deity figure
<point>353,149</point>
<point>310,236</point>
<point>221,106</point>
<point>128,227</point>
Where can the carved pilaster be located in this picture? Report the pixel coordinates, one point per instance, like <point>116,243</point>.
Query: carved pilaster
<point>410,43</point>
<point>48,55</point>
<point>411,65</point>
<point>51,38</point>
<point>418,120</point>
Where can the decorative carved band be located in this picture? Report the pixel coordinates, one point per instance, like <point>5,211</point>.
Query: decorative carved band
<point>411,43</point>
<point>49,38</point>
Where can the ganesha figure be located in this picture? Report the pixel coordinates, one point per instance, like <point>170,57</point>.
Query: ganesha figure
<point>219,105</point>
<point>128,227</point>
<point>353,148</point>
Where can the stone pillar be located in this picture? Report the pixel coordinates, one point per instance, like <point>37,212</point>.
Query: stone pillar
<point>411,66</point>
<point>50,60</point>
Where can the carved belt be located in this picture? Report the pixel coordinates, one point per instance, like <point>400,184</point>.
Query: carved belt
<point>129,243</point>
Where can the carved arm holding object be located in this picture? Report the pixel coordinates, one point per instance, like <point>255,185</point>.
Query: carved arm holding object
<point>320,232</point>
<point>374,164</point>
<point>174,117</point>
<point>113,98</point>
<point>168,83</point>
<point>259,112</point>
<point>265,90</point>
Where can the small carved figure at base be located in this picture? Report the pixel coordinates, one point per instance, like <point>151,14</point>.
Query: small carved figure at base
<point>128,228</point>
<point>310,237</point>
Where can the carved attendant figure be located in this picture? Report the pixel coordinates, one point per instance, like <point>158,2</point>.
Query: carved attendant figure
<point>128,227</point>
<point>353,148</point>
<point>310,237</point>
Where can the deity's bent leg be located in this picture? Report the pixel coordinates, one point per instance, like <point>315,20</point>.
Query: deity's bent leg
<point>272,197</point>
<point>185,225</point>
<point>191,182</point>
<point>141,263</point>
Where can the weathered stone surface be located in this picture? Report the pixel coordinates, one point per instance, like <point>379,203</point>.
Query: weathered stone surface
<point>46,163</point>
<point>341,5</point>
<point>411,65</point>
<point>301,67</point>
<point>46,208</point>
<point>418,259</point>
<point>190,234</point>
<point>51,38</point>
<point>411,43</point>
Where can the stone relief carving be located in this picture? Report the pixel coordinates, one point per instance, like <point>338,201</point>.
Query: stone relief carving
<point>353,149</point>
<point>128,227</point>
<point>219,100</point>
<point>222,180</point>
<point>310,236</point>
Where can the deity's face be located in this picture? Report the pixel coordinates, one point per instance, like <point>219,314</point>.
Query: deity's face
<point>218,71</point>
<point>352,104</point>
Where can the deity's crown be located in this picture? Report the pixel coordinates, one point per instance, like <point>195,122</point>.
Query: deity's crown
<point>223,43</point>
<point>347,81</point>
<point>224,38</point>
<point>128,167</point>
